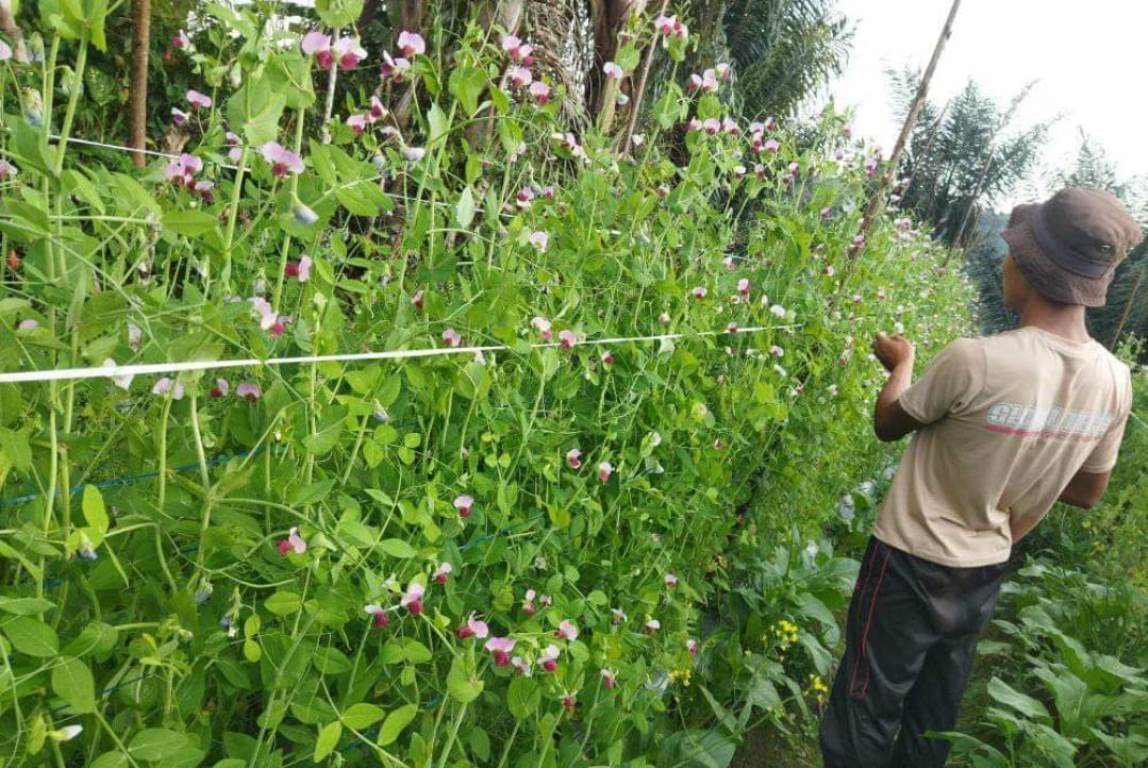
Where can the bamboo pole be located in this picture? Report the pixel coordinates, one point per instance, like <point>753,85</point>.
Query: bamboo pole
<point>875,202</point>
<point>137,110</point>
<point>972,205</point>
<point>636,105</point>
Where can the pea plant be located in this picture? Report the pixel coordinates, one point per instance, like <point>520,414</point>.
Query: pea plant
<point>629,375</point>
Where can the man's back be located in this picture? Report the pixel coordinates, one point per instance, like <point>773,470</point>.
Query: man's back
<point>1012,418</point>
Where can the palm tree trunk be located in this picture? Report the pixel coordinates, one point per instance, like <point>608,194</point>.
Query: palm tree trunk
<point>137,109</point>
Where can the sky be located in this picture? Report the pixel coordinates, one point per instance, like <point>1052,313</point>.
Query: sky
<point>1086,56</point>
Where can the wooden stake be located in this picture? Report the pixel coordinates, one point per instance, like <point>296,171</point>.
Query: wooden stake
<point>910,121</point>
<point>137,109</point>
<point>636,104</point>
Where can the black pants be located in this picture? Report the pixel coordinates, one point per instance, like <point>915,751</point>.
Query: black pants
<point>910,638</point>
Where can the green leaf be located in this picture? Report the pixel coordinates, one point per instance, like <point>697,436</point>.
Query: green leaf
<point>25,606</point>
<point>283,603</point>
<point>627,58</point>
<point>189,223</point>
<point>464,210</point>
<point>328,739</point>
<point>362,715</point>
<point>155,744</point>
<point>397,548</point>
<point>15,446</point>
<point>94,510</point>
<point>439,125</point>
<point>32,637</point>
<point>256,107</point>
<point>523,697</point>
<point>395,723</point>
<point>462,683</point>
<point>1002,692</point>
<point>72,681</point>
<point>467,85</point>
<point>339,13</point>
<point>110,760</point>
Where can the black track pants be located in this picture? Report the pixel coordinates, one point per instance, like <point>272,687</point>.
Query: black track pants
<point>910,638</point>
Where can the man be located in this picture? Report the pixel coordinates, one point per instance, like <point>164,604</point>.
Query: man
<point>1004,426</point>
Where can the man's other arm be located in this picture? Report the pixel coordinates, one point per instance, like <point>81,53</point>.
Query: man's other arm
<point>890,421</point>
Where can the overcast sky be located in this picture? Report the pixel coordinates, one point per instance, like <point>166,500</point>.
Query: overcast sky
<point>1087,56</point>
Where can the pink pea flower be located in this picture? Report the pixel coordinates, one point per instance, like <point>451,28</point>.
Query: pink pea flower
<point>165,386</point>
<point>759,171</point>
<point>664,318</point>
<point>283,160</point>
<point>694,83</point>
<point>773,145</point>
<point>709,81</point>
<point>411,44</point>
<point>528,602</point>
<point>464,505</point>
<point>574,458</point>
<point>612,70</point>
<point>540,91</point>
<point>729,125</point>
<point>699,292</point>
<point>723,72</point>
<point>293,543</point>
<point>235,151</point>
<point>871,166</point>
<point>221,388</point>
<point>545,601</point>
<point>412,599</point>
<point>178,116</point>
<point>349,52</point>
<point>652,626</point>
<point>198,100</point>
<point>566,631</point>
<point>567,339</point>
<point>524,197</point>
<point>180,40</point>
<point>418,299</point>
<point>451,337</point>
<point>394,69</point>
<point>671,581</point>
<point>521,666</point>
<point>501,648</point>
<point>607,357</point>
<point>357,123</point>
<point>692,646</point>
<point>266,312</point>
<point>619,615</point>
<point>511,44</point>
<point>549,658</point>
<point>442,573</point>
<point>413,154</point>
<point>608,678</point>
<point>8,169</point>
<point>568,702</point>
<point>777,310</point>
<point>318,44</point>
<point>795,169</point>
<point>739,171</point>
<point>711,125</point>
<point>377,111</point>
<point>182,171</point>
<point>519,76</point>
<point>665,24</point>
<point>743,286</point>
<point>605,469</point>
<point>732,328</point>
<point>776,351</point>
<point>248,391</point>
<point>473,628</point>
<point>300,269</point>
<point>540,241</point>
<point>542,325</point>
<point>378,615</point>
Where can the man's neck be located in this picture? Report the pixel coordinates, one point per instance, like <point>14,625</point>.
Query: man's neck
<point>1064,321</point>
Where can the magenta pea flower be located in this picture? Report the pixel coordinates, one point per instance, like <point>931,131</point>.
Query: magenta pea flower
<point>519,76</point>
<point>473,628</point>
<point>235,151</point>
<point>412,599</point>
<point>411,44</point>
<point>283,160</point>
<point>451,337</point>
<point>566,631</point>
<point>545,601</point>
<point>300,269</point>
<point>743,287</point>
<point>723,72</point>
<point>568,701</point>
<point>249,392</point>
<point>166,386</point>
<point>574,458</point>
<point>619,615</point>
<point>773,145</point>
<point>378,615</point>
<point>605,469</point>
<point>182,171</point>
<point>665,24</point>
<point>442,573</point>
<point>221,388</point>
<point>318,44</point>
<point>730,126</point>
<point>540,91</point>
<point>694,82</point>
<point>394,69</point>
<point>709,81</point>
<point>739,171</point>
<point>5,51</point>
<point>759,170</point>
<point>357,123</point>
<point>692,646</point>
<point>607,357</point>
<point>732,328</point>
<point>549,658</point>
<point>671,581</point>
<point>510,44</point>
<point>293,543</point>
<point>348,52</point>
<point>180,40</point>
<point>501,648</point>
<point>699,292</point>
<point>8,169</point>
<point>267,315</point>
<point>711,125</point>
<point>612,70</point>
<point>198,100</point>
<point>521,665</point>
<point>652,626</point>
<point>517,50</point>
<point>528,602</point>
<point>542,325</point>
<point>795,169</point>
<point>524,197</point>
<point>776,351</point>
<point>567,339</point>
<point>464,504</point>
<point>178,116</point>
<point>608,678</point>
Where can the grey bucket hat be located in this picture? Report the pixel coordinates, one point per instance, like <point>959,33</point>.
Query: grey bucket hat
<point>1068,248</point>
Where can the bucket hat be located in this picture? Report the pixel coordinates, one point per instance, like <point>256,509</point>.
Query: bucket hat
<point>1068,247</point>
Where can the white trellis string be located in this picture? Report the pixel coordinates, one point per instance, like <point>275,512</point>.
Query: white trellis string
<point>144,369</point>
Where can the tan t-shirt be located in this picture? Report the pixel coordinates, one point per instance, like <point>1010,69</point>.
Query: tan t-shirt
<point>1011,419</point>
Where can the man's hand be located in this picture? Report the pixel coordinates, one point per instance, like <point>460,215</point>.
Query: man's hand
<point>893,351</point>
